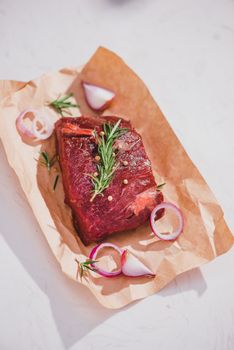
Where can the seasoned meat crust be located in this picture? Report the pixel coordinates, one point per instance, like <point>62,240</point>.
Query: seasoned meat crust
<point>132,202</point>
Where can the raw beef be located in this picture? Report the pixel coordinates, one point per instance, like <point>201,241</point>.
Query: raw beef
<point>132,202</point>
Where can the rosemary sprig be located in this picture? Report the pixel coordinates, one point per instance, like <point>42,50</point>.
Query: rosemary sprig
<point>61,105</point>
<point>55,182</point>
<point>107,165</point>
<point>84,266</point>
<point>46,161</point>
<point>159,187</point>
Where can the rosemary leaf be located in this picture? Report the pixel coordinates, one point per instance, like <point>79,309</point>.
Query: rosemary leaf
<point>62,104</point>
<point>90,262</point>
<point>55,182</point>
<point>90,268</point>
<point>160,186</point>
<point>46,160</point>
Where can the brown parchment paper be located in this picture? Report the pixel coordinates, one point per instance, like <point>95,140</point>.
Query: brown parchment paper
<point>205,235</point>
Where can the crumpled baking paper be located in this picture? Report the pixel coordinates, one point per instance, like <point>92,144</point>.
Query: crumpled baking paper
<point>205,234</point>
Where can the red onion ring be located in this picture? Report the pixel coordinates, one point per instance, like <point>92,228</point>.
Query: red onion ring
<point>21,125</point>
<point>46,130</point>
<point>93,256</point>
<point>171,236</point>
<point>43,133</point>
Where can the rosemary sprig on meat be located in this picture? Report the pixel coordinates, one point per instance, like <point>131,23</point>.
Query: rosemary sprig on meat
<point>106,151</point>
<point>62,104</point>
<point>46,161</point>
<point>84,267</point>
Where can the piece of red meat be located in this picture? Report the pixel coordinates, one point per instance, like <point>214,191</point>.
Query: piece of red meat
<point>132,202</point>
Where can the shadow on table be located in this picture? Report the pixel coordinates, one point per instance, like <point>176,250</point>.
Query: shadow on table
<point>190,280</point>
<point>75,310</point>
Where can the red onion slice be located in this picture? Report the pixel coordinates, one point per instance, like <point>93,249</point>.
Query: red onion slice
<point>93,256</point>
<point>173,235</point>
<point>133,267</point>
<point>20,123</point>
<point>97,98</point>
<point>46,129</point>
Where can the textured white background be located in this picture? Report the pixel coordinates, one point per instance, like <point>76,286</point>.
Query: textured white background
<point>184,51</point>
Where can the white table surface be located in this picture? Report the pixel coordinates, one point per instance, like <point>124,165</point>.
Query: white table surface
<point>184,51</point>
